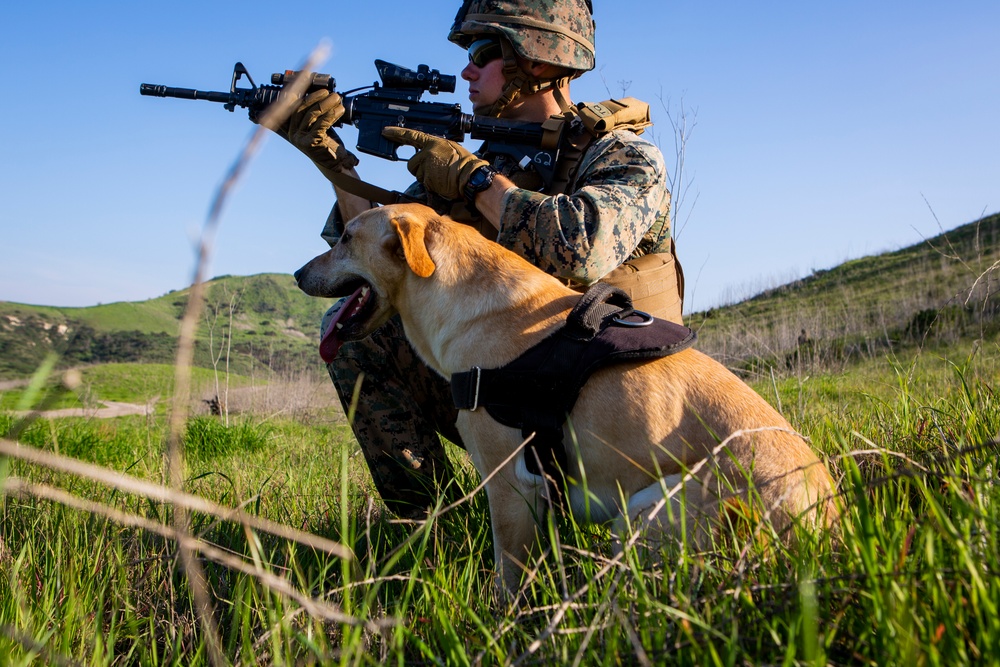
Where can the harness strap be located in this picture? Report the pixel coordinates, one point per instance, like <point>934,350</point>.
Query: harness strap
<point>597,120</point>
<point>545,454</point>
<point>480,387</point>
<point>518,82</point>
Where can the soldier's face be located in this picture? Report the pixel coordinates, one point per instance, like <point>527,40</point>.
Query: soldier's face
<point>486,83</point>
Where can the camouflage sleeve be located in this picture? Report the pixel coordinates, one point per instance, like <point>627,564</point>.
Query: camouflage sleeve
<point>334,226</point>
<point>618,194</point>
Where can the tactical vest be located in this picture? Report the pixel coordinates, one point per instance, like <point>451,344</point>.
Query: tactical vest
<point>652,277</point>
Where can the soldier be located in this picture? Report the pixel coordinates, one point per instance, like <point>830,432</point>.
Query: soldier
<point>601,214</point>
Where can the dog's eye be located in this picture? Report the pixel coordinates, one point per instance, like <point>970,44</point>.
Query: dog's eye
<point>345,237</point>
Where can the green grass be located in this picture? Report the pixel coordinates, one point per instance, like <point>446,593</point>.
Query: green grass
<point>153,316</point>
<point>147,317</point>
<point>913,577</point>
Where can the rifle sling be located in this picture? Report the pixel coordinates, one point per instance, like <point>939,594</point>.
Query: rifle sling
<point>365,190</point>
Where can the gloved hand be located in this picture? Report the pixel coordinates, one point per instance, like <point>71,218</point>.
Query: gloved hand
<point>442,166</point>
<point>307,129</point>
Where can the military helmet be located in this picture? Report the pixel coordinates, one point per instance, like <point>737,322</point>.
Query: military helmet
<point>558,32</point>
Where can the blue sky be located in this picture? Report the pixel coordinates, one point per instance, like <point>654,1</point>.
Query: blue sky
<point>821,131</point>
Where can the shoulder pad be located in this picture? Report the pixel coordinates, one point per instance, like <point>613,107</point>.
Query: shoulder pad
<point>627,113</point>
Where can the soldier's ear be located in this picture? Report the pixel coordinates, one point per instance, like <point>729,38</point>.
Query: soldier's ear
<point>410,238</point>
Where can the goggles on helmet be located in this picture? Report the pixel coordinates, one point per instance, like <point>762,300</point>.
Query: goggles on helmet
<point>483,51</point>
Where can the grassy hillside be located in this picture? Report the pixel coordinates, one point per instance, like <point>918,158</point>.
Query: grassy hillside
<point>940,290</point>
<point>272,326</point>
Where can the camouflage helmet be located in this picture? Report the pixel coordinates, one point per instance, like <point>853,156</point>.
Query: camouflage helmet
<point>557,32</point>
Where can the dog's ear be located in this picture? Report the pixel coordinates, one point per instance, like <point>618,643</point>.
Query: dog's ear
<point>410,232</point>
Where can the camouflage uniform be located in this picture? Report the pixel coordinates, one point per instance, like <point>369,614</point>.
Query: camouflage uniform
<point>617,209</point>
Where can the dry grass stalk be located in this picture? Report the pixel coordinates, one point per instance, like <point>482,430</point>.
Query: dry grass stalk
<point>271,118</point>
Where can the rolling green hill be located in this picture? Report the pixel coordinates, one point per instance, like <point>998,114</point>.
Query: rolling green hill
<point>941,289</point>
<point>272,324</point>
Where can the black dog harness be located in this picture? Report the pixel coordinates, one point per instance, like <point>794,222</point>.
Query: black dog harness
<point>536,392</point>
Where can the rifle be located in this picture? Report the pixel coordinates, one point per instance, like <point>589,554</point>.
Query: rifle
<point>396,102</point>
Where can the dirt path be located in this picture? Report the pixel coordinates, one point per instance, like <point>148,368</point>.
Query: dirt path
<point>105,410</point>
<point>12,384</point>
<point>295,397</point>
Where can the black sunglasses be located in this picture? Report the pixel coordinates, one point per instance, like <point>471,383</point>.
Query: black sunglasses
<point>483,51</point>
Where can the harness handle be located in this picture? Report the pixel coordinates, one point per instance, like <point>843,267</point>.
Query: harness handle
<point>599,302</point>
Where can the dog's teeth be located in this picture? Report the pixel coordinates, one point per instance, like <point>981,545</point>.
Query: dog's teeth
<point>364,291</point>
<point>339,325</point>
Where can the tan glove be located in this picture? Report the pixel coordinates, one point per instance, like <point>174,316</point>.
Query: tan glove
<point>442,166</point>
<point>308,129</point>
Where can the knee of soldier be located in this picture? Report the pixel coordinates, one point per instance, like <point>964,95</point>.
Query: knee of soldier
<point>376,356</point>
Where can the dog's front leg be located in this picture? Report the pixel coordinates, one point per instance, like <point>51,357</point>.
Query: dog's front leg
<point>514,495</point>
<point>514,510</point>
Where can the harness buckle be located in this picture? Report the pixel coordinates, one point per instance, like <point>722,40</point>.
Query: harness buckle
<point>475,392</point>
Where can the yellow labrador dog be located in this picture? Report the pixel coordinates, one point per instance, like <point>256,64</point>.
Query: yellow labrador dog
<point>645,435</point>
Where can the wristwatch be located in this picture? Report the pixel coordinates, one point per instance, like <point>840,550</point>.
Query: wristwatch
<point>479,180</point>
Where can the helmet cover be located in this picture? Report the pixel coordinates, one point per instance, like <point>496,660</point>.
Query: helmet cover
<point>557,32</point>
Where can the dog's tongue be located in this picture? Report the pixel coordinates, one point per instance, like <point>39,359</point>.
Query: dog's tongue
<point>330,344</point>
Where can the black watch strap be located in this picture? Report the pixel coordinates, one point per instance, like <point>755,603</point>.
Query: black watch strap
<point>479,180</point>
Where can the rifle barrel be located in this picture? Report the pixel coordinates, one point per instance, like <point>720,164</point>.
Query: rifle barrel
<point>154,90</point>
<point>503,130</point>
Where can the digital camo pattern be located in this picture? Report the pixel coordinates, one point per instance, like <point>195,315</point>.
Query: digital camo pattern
<point>619,195</point>
<point>571,44</point>
<point>618,207</point>
<point>402,407</point>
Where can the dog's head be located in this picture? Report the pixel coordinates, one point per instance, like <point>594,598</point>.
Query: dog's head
<point>377,252</point>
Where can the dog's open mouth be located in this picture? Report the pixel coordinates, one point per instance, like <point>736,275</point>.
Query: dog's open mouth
<point>352,312</point>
